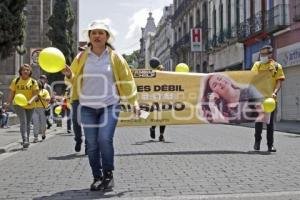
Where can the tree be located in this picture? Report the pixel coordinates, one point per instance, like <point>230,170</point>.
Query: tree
<point>132,59</point>
<point>60,33</point>
<point>12,27</point>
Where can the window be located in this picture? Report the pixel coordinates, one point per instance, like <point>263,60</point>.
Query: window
<point>198,17</point>
<point>184,28</point>
<point>215,21</point>
<point>229,18</point>
<point>237,13</point>
<point>191,22</point>
<point>214,39</point>
<point>204,16</point>
<point>297,10</point>
<point>221,17</point>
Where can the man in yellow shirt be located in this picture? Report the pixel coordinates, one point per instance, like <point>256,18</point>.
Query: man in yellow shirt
<point>266,63</point>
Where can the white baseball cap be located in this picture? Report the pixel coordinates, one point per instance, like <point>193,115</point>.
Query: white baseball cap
<point>98,24</point>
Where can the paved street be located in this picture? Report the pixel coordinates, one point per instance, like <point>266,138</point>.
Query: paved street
<point>195,162</point>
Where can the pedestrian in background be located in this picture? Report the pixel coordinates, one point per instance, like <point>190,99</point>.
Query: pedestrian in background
<point>267,64</point>
<point>155,64</point>
<point>3,113</point>
<point>102,77</point>
<point>39,116</point>
<point>44,80</point>
<point>27,86</point>
<point>67,109</point>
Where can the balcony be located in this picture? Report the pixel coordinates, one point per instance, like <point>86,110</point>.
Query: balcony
<point>181,9</point>
<point>277,18</point>
<point>182,42</point>
<point>231,33</point>
<point>251,27</point>
<point>212,43</point>
<point>221,37</point>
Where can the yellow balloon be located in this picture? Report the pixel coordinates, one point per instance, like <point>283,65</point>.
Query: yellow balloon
<point>58,110</point>
<point>182,67</point>
<point>269,105</point>
<point>52,60</point>
<point>20,100</point>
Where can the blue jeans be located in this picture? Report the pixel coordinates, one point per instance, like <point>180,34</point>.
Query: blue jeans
<point>99,127</point>
<point>4,119</point>
<point>76,124</point>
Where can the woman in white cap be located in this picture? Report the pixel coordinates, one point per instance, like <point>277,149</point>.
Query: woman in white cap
<point>100,77</point>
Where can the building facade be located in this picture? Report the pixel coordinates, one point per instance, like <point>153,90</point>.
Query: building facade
<point>163,39</point>
<point>146,49</point>
<point>225,52</point>
<point>186,16</point>
<point>287,45</point>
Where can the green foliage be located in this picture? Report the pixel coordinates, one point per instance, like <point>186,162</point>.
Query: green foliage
<point>12,27</point>
<point>132,59</point>
<point>60,33</point>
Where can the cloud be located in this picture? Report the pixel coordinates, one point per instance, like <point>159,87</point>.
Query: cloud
<point>139,19</point>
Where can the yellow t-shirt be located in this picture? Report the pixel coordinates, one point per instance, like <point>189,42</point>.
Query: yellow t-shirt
<point>271,67</point>
<point>43,94</point>
<point>25,87</point>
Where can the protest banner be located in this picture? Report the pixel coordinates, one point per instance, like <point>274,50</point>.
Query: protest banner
<point>196,98</point>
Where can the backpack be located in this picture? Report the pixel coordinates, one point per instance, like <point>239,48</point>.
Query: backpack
<point>18,79</point>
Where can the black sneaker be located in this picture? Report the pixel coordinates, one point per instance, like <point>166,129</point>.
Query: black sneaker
<point>271,149</point>
<point>161,138</point>
<point>108,181</point>
<point>43,137</point>
<point>96,184</point>
<point>256,146</point>
<point>25,145</point>
<point>78,146</point>
<point>85,150</point>
<point>49,126</point>
<point>69,131</point>
<point>152,133</point>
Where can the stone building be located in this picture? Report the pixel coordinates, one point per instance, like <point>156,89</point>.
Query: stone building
<point>147,36</point>
<point>164,39</point>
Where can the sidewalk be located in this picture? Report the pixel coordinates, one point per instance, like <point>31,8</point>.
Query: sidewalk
<point>11,137</point>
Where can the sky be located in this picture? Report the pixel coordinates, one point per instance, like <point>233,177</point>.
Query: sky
<point>125,17</point>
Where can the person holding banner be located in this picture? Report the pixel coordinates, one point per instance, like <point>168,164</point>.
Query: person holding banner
<point>225,101</point>
<point>100,78</point>
<point>266,63</point>
<point>28,87</point>
<point>155,64</point>
<point>44,80</point>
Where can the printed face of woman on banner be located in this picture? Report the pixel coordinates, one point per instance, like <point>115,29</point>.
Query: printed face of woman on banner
<point>223,100</point>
